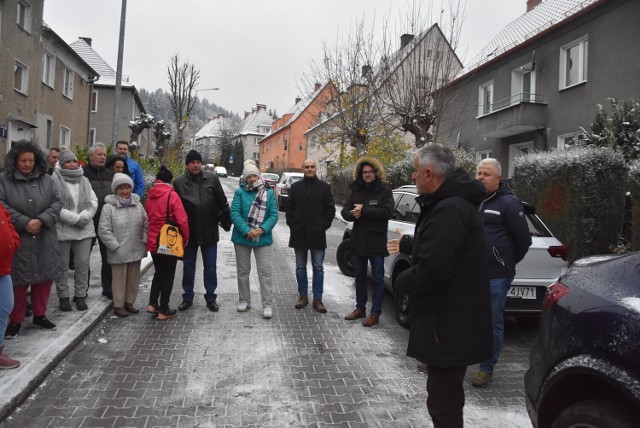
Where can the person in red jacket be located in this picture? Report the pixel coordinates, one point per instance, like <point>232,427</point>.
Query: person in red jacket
<point>163,201</point>
<point>9,243</point>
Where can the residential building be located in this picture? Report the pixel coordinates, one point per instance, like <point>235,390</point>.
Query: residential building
<point>286,146</point>
<point>207,141</point>
<point>103,102</point>
<point>46,97</point>
<point>537,84</point>
<point>253,128</point>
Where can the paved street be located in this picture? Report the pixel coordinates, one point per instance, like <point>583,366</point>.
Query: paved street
<point>235,369</point>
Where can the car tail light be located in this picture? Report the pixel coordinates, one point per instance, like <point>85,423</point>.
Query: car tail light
<point>561,251</point>
<point>284,190</point>
<point>555,292</point>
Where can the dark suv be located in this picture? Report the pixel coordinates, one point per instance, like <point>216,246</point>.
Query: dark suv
<point>585,365</point>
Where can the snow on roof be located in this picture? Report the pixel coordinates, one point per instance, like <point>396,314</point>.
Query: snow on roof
<point>91,57</point>
<point>212,129</point>
<point>538,19</point>
<point>258,118</point>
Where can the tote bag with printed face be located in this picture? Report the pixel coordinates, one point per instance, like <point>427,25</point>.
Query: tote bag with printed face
<point>170,241</point>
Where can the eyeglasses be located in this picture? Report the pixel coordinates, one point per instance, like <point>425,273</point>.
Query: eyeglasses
<point>368,172</point>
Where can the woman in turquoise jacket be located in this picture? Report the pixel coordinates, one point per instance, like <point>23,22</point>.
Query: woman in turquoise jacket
<point>254,214</point>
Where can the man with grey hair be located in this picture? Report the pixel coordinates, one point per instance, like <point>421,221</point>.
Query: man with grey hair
<point>100,179</point>
<point>507,241</point>
<point>448,282</point>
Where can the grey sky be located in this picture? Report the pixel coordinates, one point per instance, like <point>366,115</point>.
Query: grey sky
<point>255,51</point>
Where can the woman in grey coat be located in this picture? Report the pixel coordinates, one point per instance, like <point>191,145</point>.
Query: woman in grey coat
<point>123,229</point>
<point>34,203</point>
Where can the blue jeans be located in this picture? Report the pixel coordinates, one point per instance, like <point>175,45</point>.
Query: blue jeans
<point>317,258</point>
<point>377,272</point>
<point>209,256</point>
<point>499,290</point>
<point>6,304</point>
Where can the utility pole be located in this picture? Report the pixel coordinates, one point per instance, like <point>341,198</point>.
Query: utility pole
<point>116,105</point>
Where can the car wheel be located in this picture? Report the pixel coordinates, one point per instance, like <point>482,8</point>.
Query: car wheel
<point>343,254</point>
<point>599,413</point>
<point>402,309</point>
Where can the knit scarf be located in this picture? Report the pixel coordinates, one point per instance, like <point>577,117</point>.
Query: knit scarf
<point>74,176</point>
<point>125,202</point>
<point>258,206</point>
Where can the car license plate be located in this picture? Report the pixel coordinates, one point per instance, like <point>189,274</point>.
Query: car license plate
<point>522,292</point>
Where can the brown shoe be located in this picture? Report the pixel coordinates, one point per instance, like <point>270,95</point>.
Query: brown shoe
<point>302,302</point>
<point>130,308</point>
<point>121,312</point>
<point>358,313</point>
<point>371,320</point>
<point>319,306</point>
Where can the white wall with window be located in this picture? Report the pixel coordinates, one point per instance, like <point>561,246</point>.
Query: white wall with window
<point>65,136</point>
<point>23,17</point>
<point>67,82</point>
<point>48,68</point>
<point>573,62</point>
<point>21,77</point>
<point>516,150</point>
<point>485,98</point>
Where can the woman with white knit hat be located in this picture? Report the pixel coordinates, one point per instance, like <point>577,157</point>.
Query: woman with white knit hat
<point>123,230</point>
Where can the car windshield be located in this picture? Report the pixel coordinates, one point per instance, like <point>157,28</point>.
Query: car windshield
<point>272,177</point>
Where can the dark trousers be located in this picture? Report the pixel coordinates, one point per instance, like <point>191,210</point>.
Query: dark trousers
<point>445,396</point>
<point>162,283</point>
<point>105,271</point>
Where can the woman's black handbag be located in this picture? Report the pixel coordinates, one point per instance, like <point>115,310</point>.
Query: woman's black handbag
<point>224,218</point>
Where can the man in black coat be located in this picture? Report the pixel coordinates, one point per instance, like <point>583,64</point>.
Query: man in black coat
<point>309,213</point>
<point>202,196</point>
<point>448,281</point>
<point>369,207</point>
<point>100,178</point>
<point>508,240</point>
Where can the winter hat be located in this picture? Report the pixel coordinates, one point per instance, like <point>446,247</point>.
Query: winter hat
<point>191,156</point>
<point>249,162</point>
<point>118,179</point>
<point>250,170</point>
<point>164,174</point>
<point>66,156</point>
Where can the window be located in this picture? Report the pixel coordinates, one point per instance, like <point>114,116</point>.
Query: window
<point>92,136</point>
<point>65,136</point>
<point>256,156</point>
<point>49,132</point>
<point>569,139</point>
<point>483,154</point>
<point>573,63</point>
<point>48,68</point>
<point>24,16</point>
<point>256,141</point>
<point>20,77</point>
<point>406,207</point>
<point>516,150</point>
<point>434,54</point>
<point>67,85</point>
<point>523,84</point>
<point>94,101</point>
<point>485,98</point>
<point>422,83</point>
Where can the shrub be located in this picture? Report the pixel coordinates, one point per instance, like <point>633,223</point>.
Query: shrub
<point>634,189</point>
<point>578,192</point>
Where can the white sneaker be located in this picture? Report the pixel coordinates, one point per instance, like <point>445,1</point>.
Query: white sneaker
<point>243,306</point>
<point>267,313</point>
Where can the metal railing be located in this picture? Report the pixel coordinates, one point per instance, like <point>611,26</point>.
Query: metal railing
<point>522,97</point>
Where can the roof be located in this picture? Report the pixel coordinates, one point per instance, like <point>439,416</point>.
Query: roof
<point>298,108</point>
<point>107,74</point>
<point>251,123</point>
<point>542,17</point>
<point>46,30</point>
<point>212,129</point>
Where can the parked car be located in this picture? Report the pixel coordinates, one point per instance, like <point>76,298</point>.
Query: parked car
<point>283,185</point>
<point>220,171</point>
<point>270,179</point>
<point>585,364</point>
<point>545,261</point>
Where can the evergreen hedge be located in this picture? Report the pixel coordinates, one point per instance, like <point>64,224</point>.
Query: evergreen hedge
<point>579,194</point>
<point>634,189</point>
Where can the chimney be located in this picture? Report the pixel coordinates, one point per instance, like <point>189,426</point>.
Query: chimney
<point>366,70</point>
<point>87,40</point>
<point>246,114</point>
<point>316,86</point>
<point>298,100</point>
<point>532,3</point>
<point>405,39</point>
<point>261,107</point>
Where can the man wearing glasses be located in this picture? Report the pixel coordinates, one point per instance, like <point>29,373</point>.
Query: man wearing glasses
<point>369,207</point>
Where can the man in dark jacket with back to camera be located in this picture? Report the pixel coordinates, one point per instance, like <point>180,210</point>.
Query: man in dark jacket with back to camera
<point>100,179</point>
<point>507,241</point>
<point>448,281</point>
<point>309,212</point>
<point>202,196</point>
<point>369,207</point>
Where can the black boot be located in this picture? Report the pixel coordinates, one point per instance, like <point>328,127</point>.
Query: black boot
<point>65,305</point>
<point>81,304</point>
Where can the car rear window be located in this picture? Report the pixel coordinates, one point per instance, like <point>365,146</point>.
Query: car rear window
<point>406,208</point>
<point>536,226</point>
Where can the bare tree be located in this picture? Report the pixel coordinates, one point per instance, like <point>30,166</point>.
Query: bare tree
<point>183,79</point>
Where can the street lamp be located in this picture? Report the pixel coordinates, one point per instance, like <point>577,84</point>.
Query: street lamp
<point>208,89</point>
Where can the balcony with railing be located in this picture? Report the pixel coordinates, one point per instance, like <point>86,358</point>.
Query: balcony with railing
<point>519,113</point>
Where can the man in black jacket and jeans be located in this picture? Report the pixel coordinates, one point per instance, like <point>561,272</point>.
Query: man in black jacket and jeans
<point>507,241</point>
<point>448,281</point>
<point>202,195</point>
<point>369,207</point>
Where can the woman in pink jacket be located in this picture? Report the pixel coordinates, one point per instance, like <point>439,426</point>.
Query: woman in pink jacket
<point>9,243</point>
<point>161,196</point>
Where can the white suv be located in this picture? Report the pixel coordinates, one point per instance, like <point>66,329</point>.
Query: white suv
<point>283,185</point>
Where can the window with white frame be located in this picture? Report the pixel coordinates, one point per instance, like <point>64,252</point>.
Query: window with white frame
<point>92,136</point>
<point>523,84</point>
<point>67,83</point>
<point>516,150</point>
<point>256,156</point>
<point>482,154</point>
<point>569,139</point>
<point>24,15</point>
<point>48,68</point>
<point>20,77</point>
<point>573,62</point>
<point>94,101</point>
<point>485,98</point>
<point>256,141</point>
<point>65,136</point>
<point>49,132</point>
